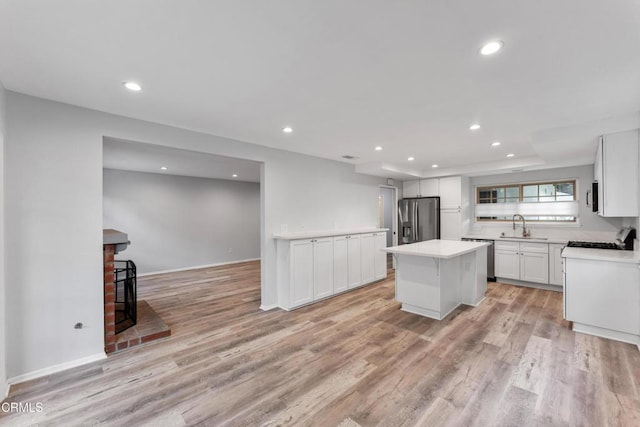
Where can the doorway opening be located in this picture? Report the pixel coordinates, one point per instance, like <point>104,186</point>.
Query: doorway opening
<point>388,207</point>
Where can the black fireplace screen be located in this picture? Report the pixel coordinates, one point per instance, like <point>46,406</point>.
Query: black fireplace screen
<point>125,303</point>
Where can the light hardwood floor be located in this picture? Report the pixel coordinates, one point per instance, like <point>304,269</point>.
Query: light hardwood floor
<point>355,359</point>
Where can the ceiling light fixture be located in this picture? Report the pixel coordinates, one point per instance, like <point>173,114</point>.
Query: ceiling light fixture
<point>434,166</point>
<point>164,168</point>
<point>287,129</point>
<point>491,47</point>
<point>510,155</point>
<point>474,126</point>
<point>133,86</point>
<point>495,144</point>
<point>378,148</point>
<point>411,159</point>
<point>235,175</point>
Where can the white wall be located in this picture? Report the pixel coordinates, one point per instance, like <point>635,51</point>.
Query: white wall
<point>176,222</point>
<point>590,223</point>
<point>54,218</point>
<point>3,372</point>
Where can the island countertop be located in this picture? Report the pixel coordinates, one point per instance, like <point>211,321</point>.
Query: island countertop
<point>444,249</point>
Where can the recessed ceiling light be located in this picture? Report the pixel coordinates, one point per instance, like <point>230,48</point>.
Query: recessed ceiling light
<point>495,144</point>
<point>164,168</point>
<point>491,47</point>
<point>378,148</point>
<point>434,166</point>
<point>235,175</point>
<point>133,86</point>
<point>411,159</point>
<point>510,155</point>
<point>287,129</point>
<point>474,126</point>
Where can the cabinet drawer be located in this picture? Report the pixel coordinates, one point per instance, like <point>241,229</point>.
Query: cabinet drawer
<point>541,248</point>
<point>506,246</point>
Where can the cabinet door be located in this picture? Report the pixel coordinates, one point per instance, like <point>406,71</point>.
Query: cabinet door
<point>429,187</point>
<point>507,264</point>
<point>619,186</point>
<point>555,264</point>
<point>301,286</point>
<point>534,267</point>
<point>380,257</point>
<point>451,192</point>
<point>603,294</point>
<point>367,257</point>
<point>354,278</point>
<point>450,224</point>
<point>410,189</point>
<point>323,268</point>
<point>340,264</point>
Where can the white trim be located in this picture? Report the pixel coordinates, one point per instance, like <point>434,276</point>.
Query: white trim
<point>545,286</point>
<point>56,368</point>
<point>196,267</point>
<point>269,307</point>
<point>607,333</point>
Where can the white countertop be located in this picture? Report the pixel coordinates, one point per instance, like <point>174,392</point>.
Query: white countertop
<point>611,255</point>
<point>516,239</point>
<point>326,233</point>
<point>436,248</point>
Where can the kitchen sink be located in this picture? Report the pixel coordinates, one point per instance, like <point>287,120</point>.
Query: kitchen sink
<point>524,238</point>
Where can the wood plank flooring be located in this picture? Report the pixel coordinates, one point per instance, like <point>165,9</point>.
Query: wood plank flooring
<point>355,359</point>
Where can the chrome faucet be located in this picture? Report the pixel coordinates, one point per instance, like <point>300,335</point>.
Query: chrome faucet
<point>525,233</point>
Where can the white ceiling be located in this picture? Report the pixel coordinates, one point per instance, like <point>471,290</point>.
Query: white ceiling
<point>346,75</point>
<point>141,157</point>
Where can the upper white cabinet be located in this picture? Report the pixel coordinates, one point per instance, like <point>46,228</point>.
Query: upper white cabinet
<point>410,189</point>
<point>420,188</point>
<point>451,192</point>
<point>450,224</point>
<point>616,171</point>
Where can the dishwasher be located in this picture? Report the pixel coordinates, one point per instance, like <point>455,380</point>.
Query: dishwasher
<point>491,275</point>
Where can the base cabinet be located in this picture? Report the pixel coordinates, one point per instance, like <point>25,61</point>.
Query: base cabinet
<point>313,269</point>
<point>528,262</point>
<point>602,294</point>
<point>555,264</point>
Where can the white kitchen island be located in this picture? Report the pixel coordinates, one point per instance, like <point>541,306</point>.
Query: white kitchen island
<point>436,276</point>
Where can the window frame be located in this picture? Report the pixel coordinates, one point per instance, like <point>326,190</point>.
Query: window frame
<point>520,199</point>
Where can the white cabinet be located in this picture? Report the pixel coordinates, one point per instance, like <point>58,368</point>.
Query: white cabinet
<point>616,171</point>
<point>313,269</point>
<point>555,264</point>
<point>340,264</point>
<point>380,258</point>
<point>522,261</point>
<point>507,260</point>
<point>301,284</point>
<point>322,268</point>
<point>410,189</point>
<point>347,272</point>
<point>451,192</point>
<point>429,187</point>
<point>420,188</point>
<point>450,224</point>
<point>603,294</point>
<point>367,260</point>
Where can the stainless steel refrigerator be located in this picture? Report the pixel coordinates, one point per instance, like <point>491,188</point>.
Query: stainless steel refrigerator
<point>419,219</point>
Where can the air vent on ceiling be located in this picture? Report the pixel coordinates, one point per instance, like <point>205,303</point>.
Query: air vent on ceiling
<point>348,157</point>
<point>517,170</point>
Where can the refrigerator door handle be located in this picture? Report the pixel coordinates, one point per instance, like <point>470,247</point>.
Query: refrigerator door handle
<point>417,224</point>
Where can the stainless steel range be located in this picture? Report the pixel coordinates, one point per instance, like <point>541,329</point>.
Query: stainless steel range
<point>624,241</point>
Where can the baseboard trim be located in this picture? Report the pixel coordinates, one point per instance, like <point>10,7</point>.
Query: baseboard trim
<point>197,267</point>
<point>556,288</point>
<point>268,307</point>
<point>607,333</point>
<point>55,368</point>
